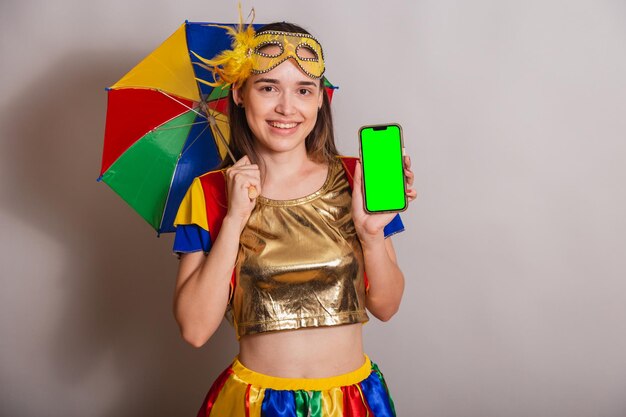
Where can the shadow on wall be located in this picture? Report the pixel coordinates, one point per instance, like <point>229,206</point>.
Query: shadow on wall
<point>116,325</point>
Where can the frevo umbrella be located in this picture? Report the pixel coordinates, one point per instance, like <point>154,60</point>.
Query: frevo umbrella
<point>163,127</point>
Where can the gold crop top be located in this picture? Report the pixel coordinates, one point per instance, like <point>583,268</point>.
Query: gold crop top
<point>300,262</point>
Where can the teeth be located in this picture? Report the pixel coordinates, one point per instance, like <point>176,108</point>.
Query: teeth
<point>283,125</point>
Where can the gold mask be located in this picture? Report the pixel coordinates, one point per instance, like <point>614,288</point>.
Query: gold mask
<point>304,49</point>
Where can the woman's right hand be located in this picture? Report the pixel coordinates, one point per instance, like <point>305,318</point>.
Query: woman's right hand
<point>239,178</point>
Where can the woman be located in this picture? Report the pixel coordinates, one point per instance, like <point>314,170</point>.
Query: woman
<point>280,241</point>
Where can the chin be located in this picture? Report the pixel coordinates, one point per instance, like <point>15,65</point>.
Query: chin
<point>282,143</point>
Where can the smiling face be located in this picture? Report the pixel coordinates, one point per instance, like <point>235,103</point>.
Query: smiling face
<point>281,108</point>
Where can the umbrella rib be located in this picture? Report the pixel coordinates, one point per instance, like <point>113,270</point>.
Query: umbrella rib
<point>185,125</point>
<point>194,140</point>
<point>213,121</point>
<point>181,103</point>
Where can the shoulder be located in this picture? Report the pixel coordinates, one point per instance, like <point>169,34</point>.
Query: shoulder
<point>347,159</point>
<point>205,201</point>
<point>207,183</point>
<point>216,176</point>
<point>211,182</point>
<point>210,185</point>
<point>349,165</point>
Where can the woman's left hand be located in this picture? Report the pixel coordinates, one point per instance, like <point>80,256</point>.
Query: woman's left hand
<point>369,227</point>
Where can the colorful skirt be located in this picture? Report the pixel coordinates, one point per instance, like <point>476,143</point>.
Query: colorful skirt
<point>241,392</point>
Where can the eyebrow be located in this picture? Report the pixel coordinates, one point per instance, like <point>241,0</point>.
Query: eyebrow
<point>314,84</point>
<point>275,81</point>
<point>266,80</point>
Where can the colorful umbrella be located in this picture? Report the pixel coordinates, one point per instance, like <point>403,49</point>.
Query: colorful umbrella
<point>163,127</point>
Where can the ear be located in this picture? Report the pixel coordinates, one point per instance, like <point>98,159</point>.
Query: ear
<point>320,99</point>
<point>238,96</point>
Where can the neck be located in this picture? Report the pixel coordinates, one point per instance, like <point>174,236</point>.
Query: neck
<point>280,165</point>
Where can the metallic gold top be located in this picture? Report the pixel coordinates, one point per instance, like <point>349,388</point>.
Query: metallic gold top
<point>300,262</point>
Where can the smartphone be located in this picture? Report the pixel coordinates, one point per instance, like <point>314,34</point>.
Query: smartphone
<point>382,154</point>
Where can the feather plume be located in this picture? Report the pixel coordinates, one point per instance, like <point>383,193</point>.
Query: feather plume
<point>232,66</point>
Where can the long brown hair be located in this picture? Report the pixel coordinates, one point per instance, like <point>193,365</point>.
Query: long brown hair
<point>320,143</point>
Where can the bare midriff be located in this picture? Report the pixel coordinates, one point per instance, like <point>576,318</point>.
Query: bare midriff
<point>318,352</point>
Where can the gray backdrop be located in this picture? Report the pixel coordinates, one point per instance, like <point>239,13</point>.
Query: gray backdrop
<point>514,255</point>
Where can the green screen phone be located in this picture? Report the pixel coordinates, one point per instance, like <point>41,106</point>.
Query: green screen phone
<point>383,168</point>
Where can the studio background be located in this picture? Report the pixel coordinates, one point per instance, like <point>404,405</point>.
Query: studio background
<point>513,113</point>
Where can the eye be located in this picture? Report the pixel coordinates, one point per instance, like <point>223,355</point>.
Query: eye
<point>304,91</point>
<point>267,88</point>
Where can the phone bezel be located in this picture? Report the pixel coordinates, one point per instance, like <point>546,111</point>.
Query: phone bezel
<point>402,149</point>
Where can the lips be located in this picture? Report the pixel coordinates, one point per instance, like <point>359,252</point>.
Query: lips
<point>281,125</point>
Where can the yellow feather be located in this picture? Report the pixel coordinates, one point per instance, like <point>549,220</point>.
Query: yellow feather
<point>231,66</point>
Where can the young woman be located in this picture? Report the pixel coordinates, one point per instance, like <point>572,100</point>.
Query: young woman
<point>281,242</point>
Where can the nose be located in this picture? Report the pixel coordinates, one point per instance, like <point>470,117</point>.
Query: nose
<point>285,105</point>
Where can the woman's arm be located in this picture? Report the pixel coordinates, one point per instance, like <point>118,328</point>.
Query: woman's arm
<point>386,281</point>
<point>203,281</point>
<point>203,285</point>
